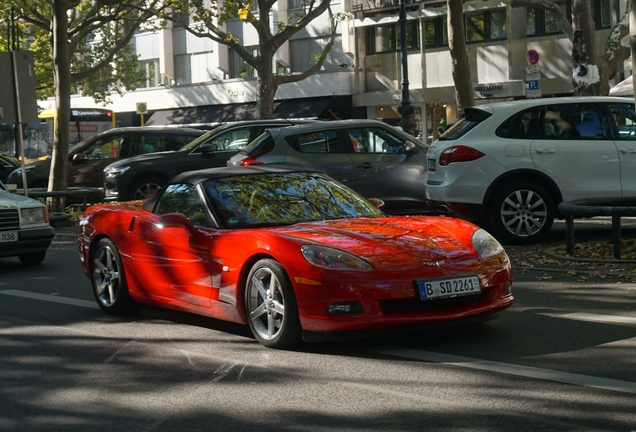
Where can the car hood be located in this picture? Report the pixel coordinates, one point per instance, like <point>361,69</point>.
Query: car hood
<point>394,241</point>
<point>14,200</point>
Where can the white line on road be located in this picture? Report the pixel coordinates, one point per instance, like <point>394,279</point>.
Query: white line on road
<point>50,298</point>
<point>582,316</point>
<point>511,369</point>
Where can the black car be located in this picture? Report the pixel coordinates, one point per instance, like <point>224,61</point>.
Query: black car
<point>88,158</point>
<point>142,176</point>
<point>7,165</point>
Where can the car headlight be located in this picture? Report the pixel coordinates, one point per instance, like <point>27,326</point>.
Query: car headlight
<point>115,171</point>
<point>485,244</point>
<point>32,216</point>
<point>333,259</point>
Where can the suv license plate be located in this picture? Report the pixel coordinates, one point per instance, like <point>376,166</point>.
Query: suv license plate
<point>8,236</point>
<point>431,164</point>
<point>430,289</point>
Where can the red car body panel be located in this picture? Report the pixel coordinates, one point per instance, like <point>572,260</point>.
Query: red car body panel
<point>206,273</point>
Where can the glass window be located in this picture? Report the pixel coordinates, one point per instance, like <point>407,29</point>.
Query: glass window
<point>574,121</point>
<point>182,198</point>
<point>531,21</point>
<point>498,24</point>
<point>235,139</point>
<point>375,140</point>
<point>318,142</point>
<point>239,68</point>
<point>105,148</point>
<point>517,126</point>
<point>303,53</point>
<point>475,28</point>
<point>151,70</point>
<point>624,119</point>
<point>183,69</point>
<point>551,24</point>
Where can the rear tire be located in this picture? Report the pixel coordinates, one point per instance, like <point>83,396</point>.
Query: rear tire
<point>521,213</point>
<point>109,280</point>
<point>146,188</point>
<point>270,305</point>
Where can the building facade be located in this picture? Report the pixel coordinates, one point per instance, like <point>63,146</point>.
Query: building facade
<point>194,80</point>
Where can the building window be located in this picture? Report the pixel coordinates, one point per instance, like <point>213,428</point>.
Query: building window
<point>486,26</point>
<point>151,69</point>
<point>602,13</point>
<point>541,22</point>
<point>303,53</point>
<point>239,68</point>
<point>436,32</point>
<point>183,69</point>
<point>386,38</point>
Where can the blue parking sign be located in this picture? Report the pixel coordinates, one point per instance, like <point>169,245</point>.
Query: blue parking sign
<point>533,85</point>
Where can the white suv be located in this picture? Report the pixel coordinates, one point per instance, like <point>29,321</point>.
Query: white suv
<point>508,165</point>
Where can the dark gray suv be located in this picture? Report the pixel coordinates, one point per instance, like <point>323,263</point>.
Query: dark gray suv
<point>143,176</point>
<point>88,158</point>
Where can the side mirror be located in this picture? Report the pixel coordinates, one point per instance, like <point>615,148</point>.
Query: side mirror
<point>409,147</point>
<point>208,150</point>
<point>80,157</point>
<point>11,187</point>
<point>179,220</point>
<point>377,202</point>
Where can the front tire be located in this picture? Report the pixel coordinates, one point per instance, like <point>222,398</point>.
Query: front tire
<point>146,188</point>
<point>521,213</point>
<point>109,280</point>
<point>270,303</point>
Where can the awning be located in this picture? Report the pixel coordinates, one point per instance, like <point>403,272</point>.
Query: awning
<point>168,117</point>
<point>623,88</point>
<point>302,108</point>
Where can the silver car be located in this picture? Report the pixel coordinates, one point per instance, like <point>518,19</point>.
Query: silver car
<point>371,157</point>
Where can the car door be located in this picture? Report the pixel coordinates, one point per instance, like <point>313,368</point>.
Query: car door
<point>385,170</point>
<point>228,143</point>
<point>576,150</point>
<point>624,130</point>
<point>169,262</point>
<point>322,150</point>
<point>87,170</point>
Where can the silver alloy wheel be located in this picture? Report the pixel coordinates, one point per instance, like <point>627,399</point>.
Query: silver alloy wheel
<point>524,213</point>
<point>106,276</point>
<point>266,303</point>
<point>147,190</point>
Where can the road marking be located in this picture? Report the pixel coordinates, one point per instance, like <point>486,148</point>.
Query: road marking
<point>582,316</point>
<point>510,369</point>
<point>50,298</point>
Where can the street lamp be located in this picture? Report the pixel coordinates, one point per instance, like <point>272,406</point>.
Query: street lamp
<point>406,109</point>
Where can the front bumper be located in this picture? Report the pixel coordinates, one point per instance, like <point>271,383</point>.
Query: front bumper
<point>29,241</point>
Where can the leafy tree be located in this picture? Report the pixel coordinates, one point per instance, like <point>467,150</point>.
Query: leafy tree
<point>89,42</point>
<point>591,70</point>
<point>209,19</point>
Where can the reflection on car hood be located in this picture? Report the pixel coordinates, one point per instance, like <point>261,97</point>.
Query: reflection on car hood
<point>143,157</point>
<point>11,199</point>
<point>395,241</point>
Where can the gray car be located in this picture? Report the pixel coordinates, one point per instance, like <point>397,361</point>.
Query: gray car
<point>371,157</point>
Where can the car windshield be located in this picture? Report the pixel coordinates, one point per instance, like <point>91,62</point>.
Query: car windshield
<point>283,199</point>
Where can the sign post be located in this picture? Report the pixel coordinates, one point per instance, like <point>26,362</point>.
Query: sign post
<point>142,109</point>
<point>533,75</point>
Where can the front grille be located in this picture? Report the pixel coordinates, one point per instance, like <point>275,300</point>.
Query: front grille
<point>416,305</point>
<point>9,219</point>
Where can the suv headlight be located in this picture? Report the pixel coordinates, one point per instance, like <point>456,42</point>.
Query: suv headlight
<point>115,171</point>
<point>32,216</point>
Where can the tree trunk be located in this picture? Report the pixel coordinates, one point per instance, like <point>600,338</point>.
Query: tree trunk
<point>459,55</point>
<point>62,74</point>
<point>265,86</point>
<point>589,76</point>
<point>632,39</point>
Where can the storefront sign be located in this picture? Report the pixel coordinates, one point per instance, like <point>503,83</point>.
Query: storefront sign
<point>489,90</point>
<point>235,92</point>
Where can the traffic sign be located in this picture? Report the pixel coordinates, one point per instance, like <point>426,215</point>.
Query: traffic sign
<point>532,56</point>
<point>533,85</point>
<point>533,76</point>
<point>142,108</point>
<point>532,69</point>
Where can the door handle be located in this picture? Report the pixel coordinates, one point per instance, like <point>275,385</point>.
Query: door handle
<point>365,165</point>
<point>628,151</point>
<point>545,151</point>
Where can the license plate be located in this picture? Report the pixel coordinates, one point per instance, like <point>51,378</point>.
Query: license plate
<point>431,164</point>
<point>430,289</point>
<point>8,236</point>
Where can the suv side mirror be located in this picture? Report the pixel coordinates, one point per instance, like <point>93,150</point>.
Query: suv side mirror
<point>409,147</point>
<point>207,150</point>
<point>80,157</point>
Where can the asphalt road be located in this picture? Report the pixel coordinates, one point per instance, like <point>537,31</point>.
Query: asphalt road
<point>562,358</point>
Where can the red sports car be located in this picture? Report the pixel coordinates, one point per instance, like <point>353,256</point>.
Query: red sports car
<point>292,253</point>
